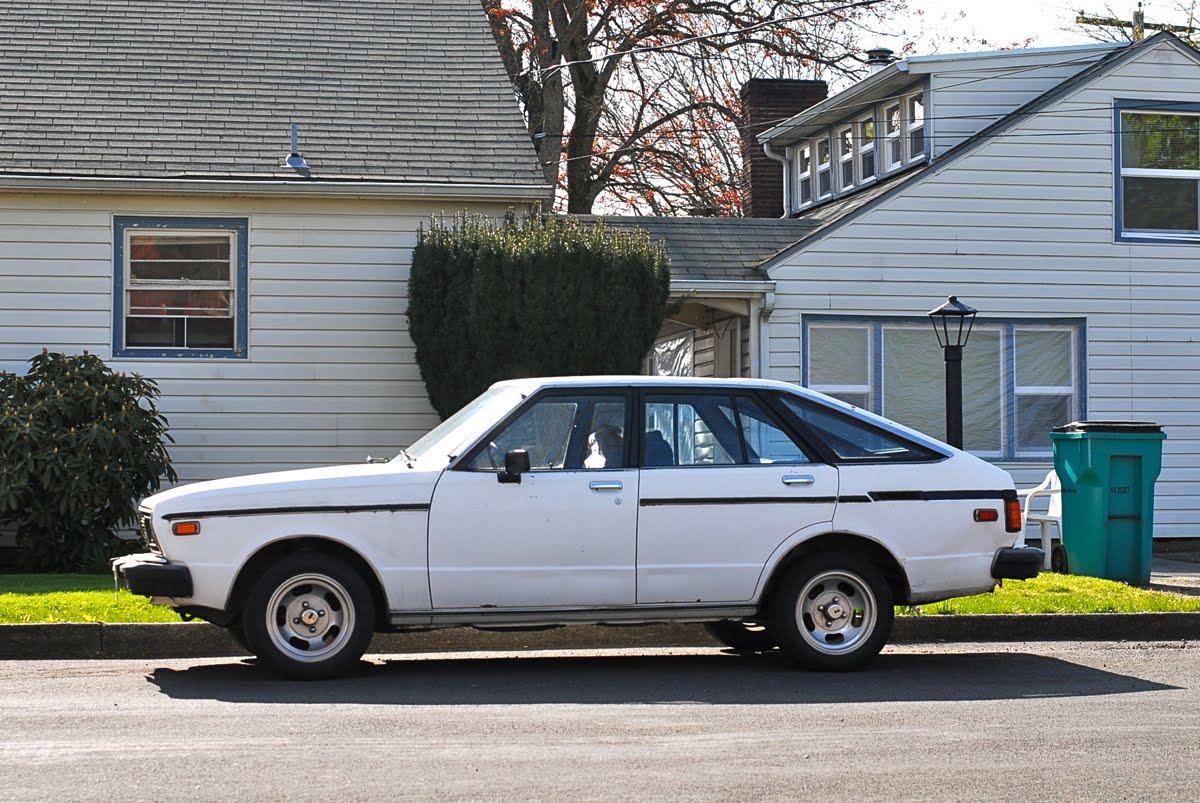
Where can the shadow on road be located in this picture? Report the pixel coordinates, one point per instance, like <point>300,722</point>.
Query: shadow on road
<point>720,678</point>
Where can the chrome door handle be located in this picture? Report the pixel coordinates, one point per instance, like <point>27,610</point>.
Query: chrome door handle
<point>606,485</point>
<point>799,479</point>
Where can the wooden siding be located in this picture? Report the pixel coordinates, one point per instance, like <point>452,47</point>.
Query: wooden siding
<point>968,99</point>
<point>331,374</point>
<point>1023,227</point>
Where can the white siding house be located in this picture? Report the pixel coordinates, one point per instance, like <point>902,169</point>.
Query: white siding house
<point>1084,265</point>
<point>293,350</point>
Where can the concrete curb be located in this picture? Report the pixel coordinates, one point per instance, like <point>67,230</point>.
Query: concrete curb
<point>200,640</point>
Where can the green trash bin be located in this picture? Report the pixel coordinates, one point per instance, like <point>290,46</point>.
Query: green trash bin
<point>1107,470</point>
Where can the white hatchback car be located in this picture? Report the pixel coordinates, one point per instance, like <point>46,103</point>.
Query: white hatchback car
<point>777,516</point>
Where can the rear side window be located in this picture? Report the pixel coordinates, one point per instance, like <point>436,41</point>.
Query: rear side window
<point>853,440</point>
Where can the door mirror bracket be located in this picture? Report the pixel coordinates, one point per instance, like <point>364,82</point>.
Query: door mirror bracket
<point>516,463</point>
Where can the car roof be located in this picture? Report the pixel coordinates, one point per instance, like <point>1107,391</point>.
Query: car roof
<point>637,380</point>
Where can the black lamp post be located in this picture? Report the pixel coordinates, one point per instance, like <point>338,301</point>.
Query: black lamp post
<point>952,323</point>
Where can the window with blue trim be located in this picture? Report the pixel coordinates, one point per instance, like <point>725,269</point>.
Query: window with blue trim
<point>180,287</point>
<point>1158,185</point>
<point>1020,377</point>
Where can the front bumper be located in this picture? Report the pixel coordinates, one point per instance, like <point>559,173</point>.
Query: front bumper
<point>150,575</point>
<point>1017,563</point>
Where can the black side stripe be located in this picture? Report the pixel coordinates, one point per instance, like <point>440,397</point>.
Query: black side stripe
<point>933,496</point>
<point>267,511</point>
<point>872,496</point>
<point>741,500</point>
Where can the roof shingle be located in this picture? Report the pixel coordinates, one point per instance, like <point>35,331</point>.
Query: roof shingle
<point>383,90</point>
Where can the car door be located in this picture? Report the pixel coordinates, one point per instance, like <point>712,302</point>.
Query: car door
<point>565,535</point>
<point>724,482</point>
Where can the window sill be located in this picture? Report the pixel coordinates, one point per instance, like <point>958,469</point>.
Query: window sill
<point>178,354</point>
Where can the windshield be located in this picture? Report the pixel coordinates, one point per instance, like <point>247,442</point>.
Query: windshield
<point>467,424</point>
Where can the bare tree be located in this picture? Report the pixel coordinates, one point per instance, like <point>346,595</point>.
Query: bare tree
<point>635,103</point>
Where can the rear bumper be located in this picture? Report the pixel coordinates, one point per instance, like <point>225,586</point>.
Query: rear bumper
<point>1017,563</point>
<point>150,575</point>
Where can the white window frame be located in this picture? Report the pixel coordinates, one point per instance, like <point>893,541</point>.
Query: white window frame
<point>1124,233</point>
<point>804,178</point>
<point>867,146</point>
<point>820,167</point>
<point>912,125</point>
<point>892,137</point>
<point>844,137</point>
<point>1011,450</point>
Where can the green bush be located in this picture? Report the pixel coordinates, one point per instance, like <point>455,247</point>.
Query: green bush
<point>531,297</point>
<point>81,444</point>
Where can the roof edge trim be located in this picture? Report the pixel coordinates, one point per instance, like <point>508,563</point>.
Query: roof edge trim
<point>374,189</point>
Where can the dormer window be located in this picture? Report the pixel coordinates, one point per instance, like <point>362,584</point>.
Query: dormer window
<point>916,126</point>
<point>804,171</point>
<point>893,146</point>
<point>866,149</point>
<point>845,148</point>
<point>824,169</point>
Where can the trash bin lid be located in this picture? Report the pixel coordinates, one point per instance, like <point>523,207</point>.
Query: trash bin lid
<point>1109,426</point>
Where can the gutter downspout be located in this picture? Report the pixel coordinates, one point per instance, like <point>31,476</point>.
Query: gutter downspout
<point>761,308</point>
<point>787,178</point>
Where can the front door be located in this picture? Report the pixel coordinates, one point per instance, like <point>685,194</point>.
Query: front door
<point>565,536</point>
<point>724,483</point>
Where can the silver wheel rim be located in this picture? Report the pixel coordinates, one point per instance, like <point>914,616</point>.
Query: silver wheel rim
<point>836,612</point>
<point>310,617</point>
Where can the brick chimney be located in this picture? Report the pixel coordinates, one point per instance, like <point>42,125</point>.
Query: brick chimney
<point>766,102</point>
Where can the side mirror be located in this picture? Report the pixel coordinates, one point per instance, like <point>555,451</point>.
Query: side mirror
<point>516,463</point>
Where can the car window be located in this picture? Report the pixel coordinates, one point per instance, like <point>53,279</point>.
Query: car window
<point>852,439</point>
<point>561,433</point>
<point>690,430</point>
<point>765,438</point>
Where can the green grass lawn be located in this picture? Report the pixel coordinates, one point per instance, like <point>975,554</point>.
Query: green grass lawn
<point>1062,593</point>
<point>36,598</point>
<point>41,598</point>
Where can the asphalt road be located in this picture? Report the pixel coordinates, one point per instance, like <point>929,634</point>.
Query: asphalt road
<point>1064,721</point>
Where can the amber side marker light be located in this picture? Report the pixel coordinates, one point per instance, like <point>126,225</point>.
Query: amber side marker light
<point>186,528</point>
<point>1012,516</point>
<point>987,514</point>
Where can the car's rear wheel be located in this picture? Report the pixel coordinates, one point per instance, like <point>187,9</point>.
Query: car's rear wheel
<point>309,616</point>
<point>832,612</point>
<point>238,634</point>
<point>744,636</point>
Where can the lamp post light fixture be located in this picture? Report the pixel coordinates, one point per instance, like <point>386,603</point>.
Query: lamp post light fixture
<point>952,323</point>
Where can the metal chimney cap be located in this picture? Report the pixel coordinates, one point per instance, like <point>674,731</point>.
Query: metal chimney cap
<point>879,57</point>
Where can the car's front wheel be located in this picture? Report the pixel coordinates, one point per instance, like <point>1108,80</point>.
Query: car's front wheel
<point>832,612</point>
<point>742,636</point>
<point>309,616</point>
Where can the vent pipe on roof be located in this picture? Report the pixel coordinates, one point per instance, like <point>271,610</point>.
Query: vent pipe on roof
<point>295,160</point>
<point>878,58</point>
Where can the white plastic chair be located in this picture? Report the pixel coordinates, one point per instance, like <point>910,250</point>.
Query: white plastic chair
<point>1052,488</point>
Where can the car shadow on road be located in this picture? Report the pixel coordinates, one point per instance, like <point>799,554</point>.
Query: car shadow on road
<point>719,678</point>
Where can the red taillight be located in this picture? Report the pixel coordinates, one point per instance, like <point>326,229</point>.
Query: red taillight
<point>1012,516</point>
<point>987,514</point>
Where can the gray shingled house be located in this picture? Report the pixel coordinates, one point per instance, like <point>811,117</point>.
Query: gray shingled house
<point>152,210</point>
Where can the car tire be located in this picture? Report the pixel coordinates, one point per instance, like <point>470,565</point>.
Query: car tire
<point>832,612</point>
<point>238,634</point>
<point>309,616</point>
<point>1058,560</point>
<point>742,636</point>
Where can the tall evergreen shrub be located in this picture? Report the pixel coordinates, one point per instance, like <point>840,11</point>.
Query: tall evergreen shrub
<point>81,444</point>
<point>534,296</point>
